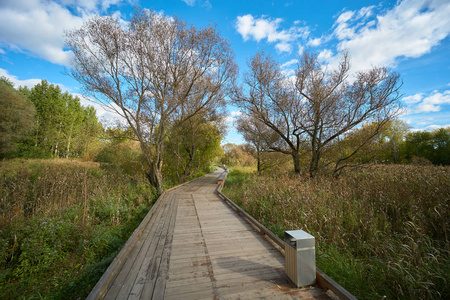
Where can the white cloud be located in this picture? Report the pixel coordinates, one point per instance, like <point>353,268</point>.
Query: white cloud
<point>410,29</point>
<point>268,28</point>
<point>421,103</point>
<point>289,63</point>
<point>105,114</point>
<point>434,127</point>
<point>315,42</point>
<point>236,113</point>
<point>37,26</point>
<point>27,82</point>
<point>413,99</point>
<point>325,55</point>
<point>232,117</point>
<point>433,102</point>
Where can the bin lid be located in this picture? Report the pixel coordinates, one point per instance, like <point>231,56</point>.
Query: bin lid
<point>299,234</point>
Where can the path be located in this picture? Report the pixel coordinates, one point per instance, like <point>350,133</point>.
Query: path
<point>194,246</point>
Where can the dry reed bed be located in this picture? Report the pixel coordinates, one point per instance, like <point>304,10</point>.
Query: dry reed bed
<point>62,222</point>
<point>45,187</point>
<point>388,223</point>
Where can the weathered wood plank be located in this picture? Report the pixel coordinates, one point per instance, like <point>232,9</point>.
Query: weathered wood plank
<point>123,282</point>
<point>197,247</point>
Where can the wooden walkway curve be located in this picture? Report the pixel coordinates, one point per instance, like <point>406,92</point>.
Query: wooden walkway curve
<point>192,245</point>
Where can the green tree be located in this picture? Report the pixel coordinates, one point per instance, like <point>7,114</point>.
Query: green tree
<point>393,135</point>
<point>63,127</point>
<point>50,110</point>
<point>16,117</point>
<point>418,144</point>
<point>441,146</point>
<point>192,147</point>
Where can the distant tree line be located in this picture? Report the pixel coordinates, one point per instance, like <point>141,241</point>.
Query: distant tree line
<point>395,143</point>
<point>44,122</point>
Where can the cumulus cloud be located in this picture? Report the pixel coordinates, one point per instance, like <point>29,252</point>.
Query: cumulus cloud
<point>37,26</point>
<point>289,63</point>
<point>421,103</point>
<point>314,42</point>
<point>325,55</point>
<point>409,30</point>
<point>269,28</point>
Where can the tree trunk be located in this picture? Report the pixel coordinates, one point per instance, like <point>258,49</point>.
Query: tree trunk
<point>155,177</point>
<point>258,155</point>
<point>314,165</point>
<point>296,158</point>
<point>191,153</point>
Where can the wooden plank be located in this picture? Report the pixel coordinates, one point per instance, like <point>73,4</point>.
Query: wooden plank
<point>124,280</point>
<point>148,273</point>
<point>101,288</point>
<point>162,276</point>
<point>143,261</point>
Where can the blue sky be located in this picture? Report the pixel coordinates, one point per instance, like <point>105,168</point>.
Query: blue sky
<point>411,37</point>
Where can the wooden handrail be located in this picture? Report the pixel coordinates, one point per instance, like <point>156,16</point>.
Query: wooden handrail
<point>323,280</point>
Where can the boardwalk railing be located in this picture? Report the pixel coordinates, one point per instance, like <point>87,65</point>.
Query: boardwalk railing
<point>323,280</point>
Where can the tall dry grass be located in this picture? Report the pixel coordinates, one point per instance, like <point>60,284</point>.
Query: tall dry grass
<point>381,231</point>
<point>63,222</point>
<point>44,187</point>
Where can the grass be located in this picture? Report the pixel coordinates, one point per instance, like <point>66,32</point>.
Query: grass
<point>62,223</point>
<point>381,231</point>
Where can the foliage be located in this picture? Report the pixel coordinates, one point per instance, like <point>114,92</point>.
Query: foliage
<point>63,127</point>
<point>191,148</point>
<point>16,117</point>
<point>182,74</point>
<point>236,155</point>
<point>433,146</point>
<point>46,250</point>
<point>380,231</point>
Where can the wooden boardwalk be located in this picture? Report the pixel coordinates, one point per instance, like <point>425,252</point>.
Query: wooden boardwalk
<point>194,246</point>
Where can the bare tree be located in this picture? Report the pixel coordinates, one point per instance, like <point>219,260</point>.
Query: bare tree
<point>259,136</point>
<point>269,99</point>
<point>155,71</point>
<point>320,107</point>
<point>330,106</point>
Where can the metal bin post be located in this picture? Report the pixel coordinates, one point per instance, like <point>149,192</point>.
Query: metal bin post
<point>300,257</point>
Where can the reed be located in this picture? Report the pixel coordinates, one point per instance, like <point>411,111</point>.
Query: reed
<point>62,223</point>
<point>381,231</point>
